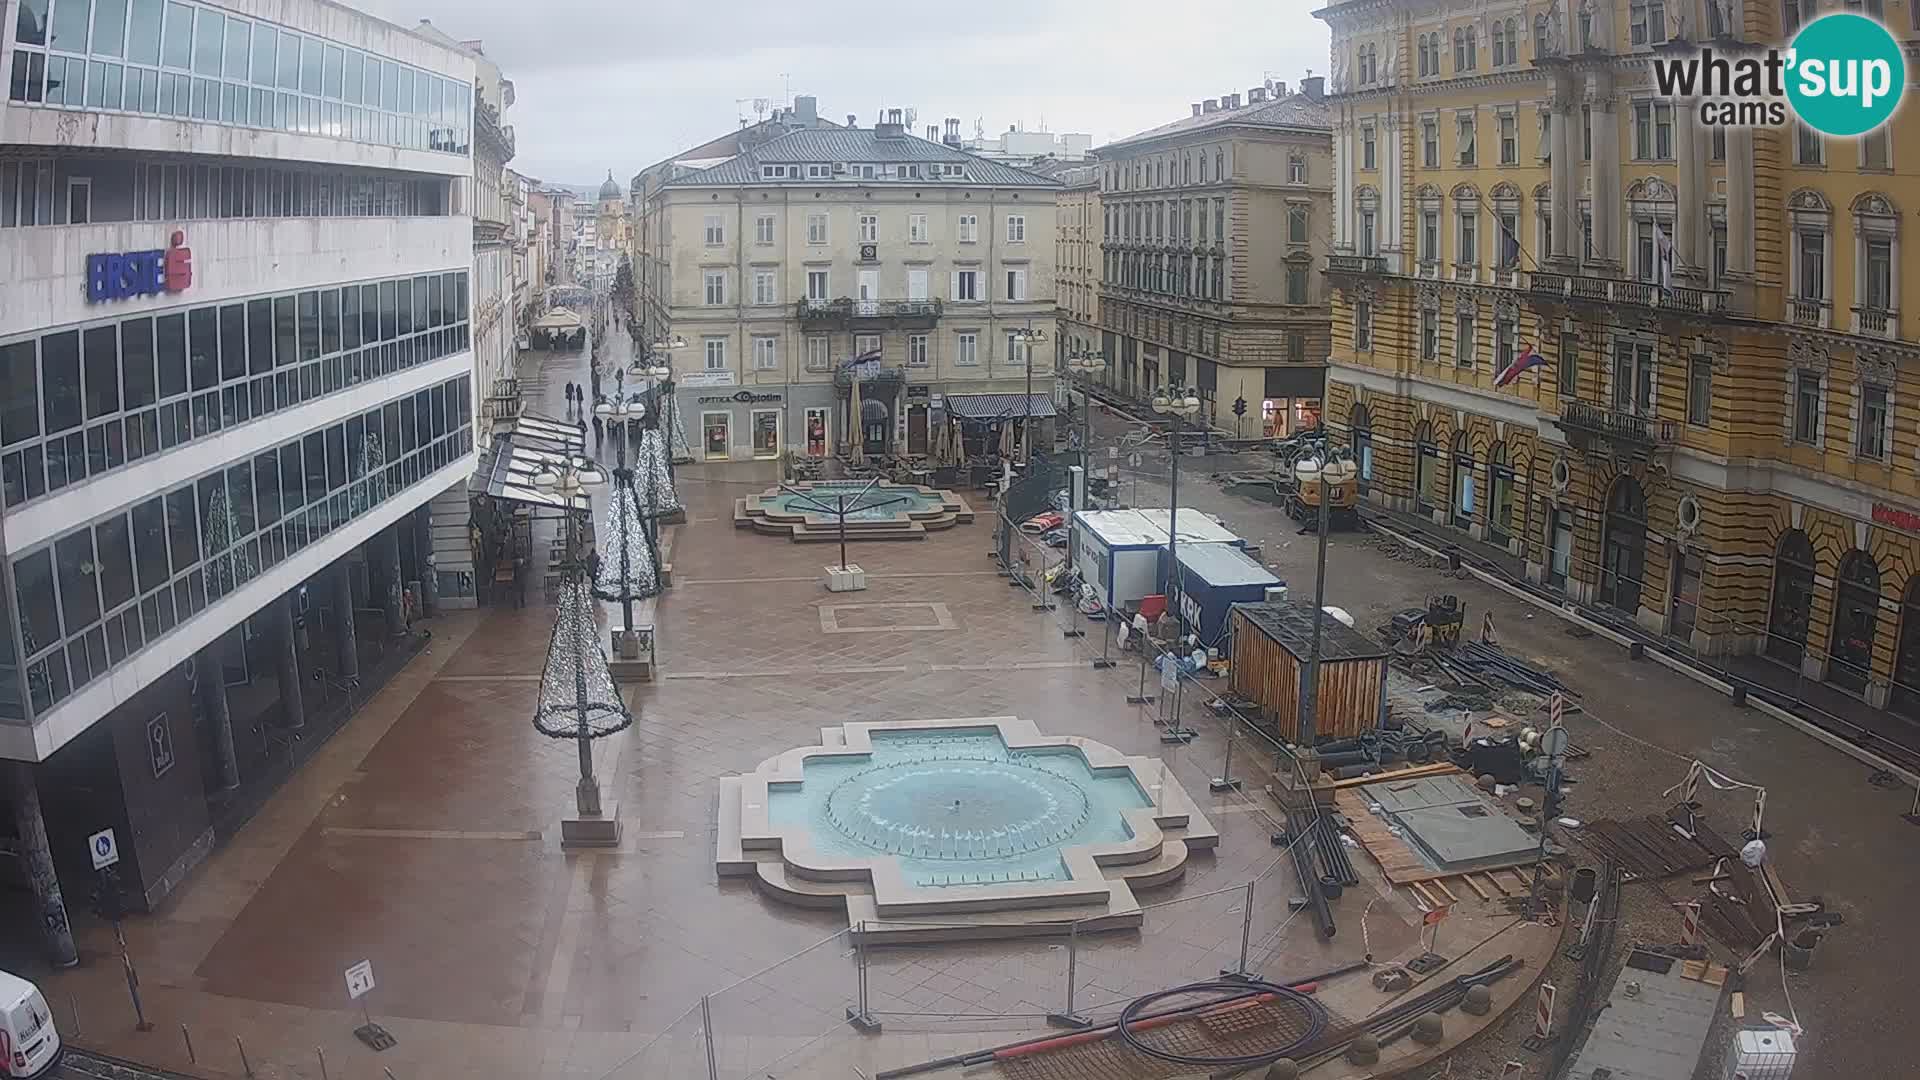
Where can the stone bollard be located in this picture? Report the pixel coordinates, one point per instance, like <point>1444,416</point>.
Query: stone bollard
<point>1486,782</point>
<point>1364,1050</point>
<point>1284,1069</point>
<point>1478,1002</point>
<point>1429,1029</point>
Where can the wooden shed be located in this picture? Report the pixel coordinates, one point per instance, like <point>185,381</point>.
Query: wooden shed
<point>1271,644</point>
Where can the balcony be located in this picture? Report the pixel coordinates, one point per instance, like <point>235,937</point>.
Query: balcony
<point>1872,320</point>
<point>1593,428</point>
<point>1683,299</point>
<point>1356,264</point>
<point>868,314</point>
<point>1808,311</point>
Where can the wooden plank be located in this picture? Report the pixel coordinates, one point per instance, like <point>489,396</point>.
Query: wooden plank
<point>1414,773</point>
<point>1495,882</point>
<point>1420,889</point>
<point>1475,886</point>
<point>1739,1005</point>
<point>1441,884</point>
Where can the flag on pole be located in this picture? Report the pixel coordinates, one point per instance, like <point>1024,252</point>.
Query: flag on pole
<point>1662,257</point>
<point>1527,359</point>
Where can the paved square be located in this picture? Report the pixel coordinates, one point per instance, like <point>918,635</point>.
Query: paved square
<point>875,618</point>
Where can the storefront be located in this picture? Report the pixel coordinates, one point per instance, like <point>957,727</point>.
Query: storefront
<point>1623,551</point>
<point>1856,617</point>
<point>1290,399</point>
<point>1792,605</point>
<point>744,424</point>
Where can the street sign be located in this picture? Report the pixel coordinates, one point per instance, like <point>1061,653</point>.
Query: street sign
<point>104,850</point>
<point>360,979</point>
<point>1554,742</point>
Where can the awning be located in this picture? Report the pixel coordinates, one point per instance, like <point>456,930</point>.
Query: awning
<point>534,445</point>
<point>538,432</point>
<point>1000,406</point>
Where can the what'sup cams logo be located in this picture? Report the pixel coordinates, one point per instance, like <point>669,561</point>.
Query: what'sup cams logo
<point>1842,75</point>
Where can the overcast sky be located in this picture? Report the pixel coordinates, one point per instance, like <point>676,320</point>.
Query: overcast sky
<point>618,84</point>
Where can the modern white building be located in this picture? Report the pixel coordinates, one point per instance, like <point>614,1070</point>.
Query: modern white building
<point>235,367</point>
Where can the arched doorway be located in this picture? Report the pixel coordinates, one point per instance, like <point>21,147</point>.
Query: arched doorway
<point>1623,547</point>
<point>1461,488</point>
<point>876,426</point>
<point>1906,653</point>
<point>1500,477</point>
<point>1426,463</point>
<point>1856,613</point>
<point>1360,429</point>
<point>1792,598</point>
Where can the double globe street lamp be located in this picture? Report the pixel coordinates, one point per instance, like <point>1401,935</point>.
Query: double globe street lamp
<point>1027,338</point>
<point>1181,408</point>
<point>1335,470</point>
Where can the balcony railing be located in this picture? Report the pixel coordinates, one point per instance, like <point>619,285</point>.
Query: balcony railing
<point>1872,320</point>
<point>1610,291</point>
<point>903,314</point>
<point>1356,264</point>
<point>1808,311</point>
<point>1584,423</point>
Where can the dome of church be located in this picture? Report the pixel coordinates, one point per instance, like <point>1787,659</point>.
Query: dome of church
<point>610,189</point>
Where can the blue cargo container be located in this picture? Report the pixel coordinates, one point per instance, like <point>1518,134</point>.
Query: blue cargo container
<point>1213,578</point>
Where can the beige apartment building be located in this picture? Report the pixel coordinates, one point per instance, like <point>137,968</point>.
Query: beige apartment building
<point>834,254</point>
<point>1214,228</point>
<point>1078,236</point>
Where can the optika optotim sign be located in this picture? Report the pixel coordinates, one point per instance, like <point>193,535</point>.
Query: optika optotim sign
<point>1843,75</point>
<point>127,274</point>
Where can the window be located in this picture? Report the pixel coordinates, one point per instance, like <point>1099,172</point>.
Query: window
<point>1367,233</point>
<point>1296,284</point>
<point>716,231</point>
<point>1569,368</point>
<point>1466,140</point>
<point>1870,441</point>
<point>1498,39</point>
<point>817,285</point>
<point>763,291</point>
<point>1543,224</point>
<point>917,350</point>
<point>765,357</point>
<point>1877,284</point>
<point>1016,284</point>
<point>1806,408</point>
<point>763,229</point>
<point>917,228</point>
<point>1719,254</point>
<point>1367,147</point>
<point>1463,343</point>
<point>966,349</point>
<point>1019,352</point>
<point>1540,31</point>
<point>716,287</point>
<point>1429,144</point>
<point>1812,278</point>
<point>869,228</point>
<point>1430,236</point>
<point>1016,229</point>
<point>1468,253</point>
<point>1647,22</point>
<point>969,228</point>
<point>1807,147</point>
<point>1699,390</point>
<point>1789,16</point>
<point>1296,168</point>
<point>716,352</point>
<point>1297,218</point>
<point>816,228</point>
<point>1429,335</point>
<point>1717,146</point>
<point>1508,224</point>
<point>1633,377</point>
<point>1363,324</point>
<point>1873,150</point>
<point>819,353</point>
<point>966,285</point>
<point>1646,258</point>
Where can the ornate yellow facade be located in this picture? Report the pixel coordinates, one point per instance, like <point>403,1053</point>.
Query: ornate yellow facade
<point>1723,441</point>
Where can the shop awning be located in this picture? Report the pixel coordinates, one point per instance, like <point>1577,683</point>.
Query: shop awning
<point>1000,406</point>
<point>534,445</point>
<point>539,432</point>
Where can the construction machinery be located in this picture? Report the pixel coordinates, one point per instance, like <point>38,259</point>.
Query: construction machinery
<point>1303,503</point>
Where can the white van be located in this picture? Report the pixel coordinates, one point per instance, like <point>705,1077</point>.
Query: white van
<point>29,1046</point>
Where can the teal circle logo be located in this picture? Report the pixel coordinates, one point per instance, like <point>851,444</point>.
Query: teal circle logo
<point>1845,75</point>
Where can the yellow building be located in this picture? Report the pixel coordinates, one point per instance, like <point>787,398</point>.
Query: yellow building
<point>1721,443</point>
<point>1212,227</point>
<point>1076,259</point>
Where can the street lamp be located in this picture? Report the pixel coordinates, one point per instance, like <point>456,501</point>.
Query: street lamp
<point>619,411</point>
<point>1090,365</point>
<point>661,353</point>
<point>1027,339</point>
<point>577,697</point>
<point>1336,470</point>
<point>1179,408</point>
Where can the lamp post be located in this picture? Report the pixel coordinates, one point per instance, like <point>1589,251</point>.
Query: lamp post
<point>1180,408</point>
<point>570,481</point>
<point>661,353</point>
<point>1088,364</point>
<point>1336,470</point>
<point>1027,339</point>
<point>620,411</point>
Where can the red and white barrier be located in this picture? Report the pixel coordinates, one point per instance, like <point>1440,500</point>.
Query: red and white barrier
<point>1543,1013</point>
<point>1690,923</point>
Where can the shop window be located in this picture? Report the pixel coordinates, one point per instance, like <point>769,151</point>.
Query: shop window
<point>1500,482</point>
<point>766,433</point>
<point>1792,605</point>
<point>718,435</point>
<point>1856,615</point>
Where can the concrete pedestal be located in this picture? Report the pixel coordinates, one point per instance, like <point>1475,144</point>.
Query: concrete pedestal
<point>848,578</point>
<point>593,832</point>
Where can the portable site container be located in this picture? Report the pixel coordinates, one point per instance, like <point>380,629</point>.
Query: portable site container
<point>1213,578</point>
<point>1271,645</point>
<point>1119,552</point>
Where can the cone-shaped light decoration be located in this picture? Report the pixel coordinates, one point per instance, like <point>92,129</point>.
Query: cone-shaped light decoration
<point>577,695</point>
<point>681,450</point>
<point>629,565</point>
<point>652,481</point>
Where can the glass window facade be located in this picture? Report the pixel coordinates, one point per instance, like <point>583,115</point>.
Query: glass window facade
<point>182,60</point>
<point>99,594</point>
<point>178,189</point>
<point>79,402</point>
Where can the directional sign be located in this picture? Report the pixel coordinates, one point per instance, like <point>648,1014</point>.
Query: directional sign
<point>1554,742</point>
<point>360,979</point>
<point>104,850</point>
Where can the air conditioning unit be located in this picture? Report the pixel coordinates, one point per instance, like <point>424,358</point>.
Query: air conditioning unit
<point>839,166</point>
<point>869,252</point>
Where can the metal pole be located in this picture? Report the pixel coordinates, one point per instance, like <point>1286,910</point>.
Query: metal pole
<point>1310,694</point>
<point>1142,698</point>
<point>706,1027</point>
<point>1225,781</point>
<point>1246,935</point>
<point>587,793</point>
<point>1026,424</point>
<point>842,499</point>
<point>126,962</point>
<point>1173,524</point>
<point>1070,1018</point>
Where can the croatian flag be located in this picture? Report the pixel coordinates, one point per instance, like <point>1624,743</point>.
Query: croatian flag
<point>1527,359</point>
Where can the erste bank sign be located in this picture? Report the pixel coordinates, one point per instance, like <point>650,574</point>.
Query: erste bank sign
<point>124,275</point>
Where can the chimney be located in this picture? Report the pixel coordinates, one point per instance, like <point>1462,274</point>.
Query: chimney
<point>1234,98</point>
<point>1210,105</point>
<point>1196,108</point>
<point>805,109</point>
<point>933,132</point>
<point>1278,89</point>
<point>1256,95</point>
<point>892,127</point>
<point>1313,87</point>
<point>952,137</point>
